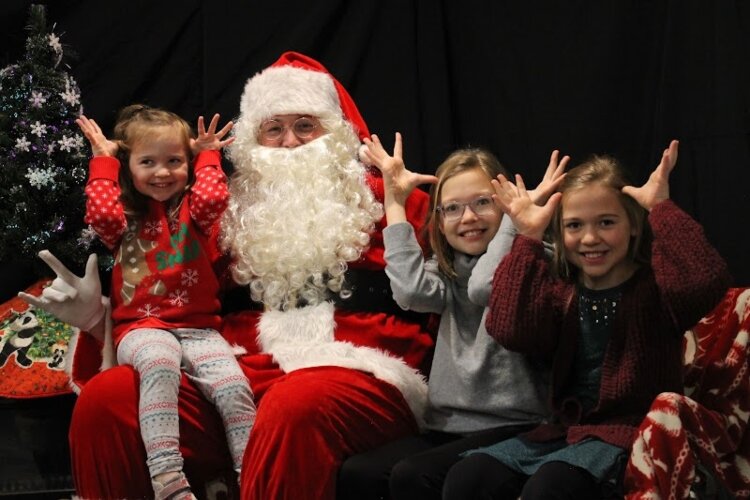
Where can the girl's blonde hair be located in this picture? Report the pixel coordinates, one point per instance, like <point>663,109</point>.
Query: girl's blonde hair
<point>606,171</point>
<point>134,123</point>
<point>459,161</point>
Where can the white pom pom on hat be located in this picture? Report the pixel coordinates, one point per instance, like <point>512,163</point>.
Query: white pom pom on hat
<point>297,84</point>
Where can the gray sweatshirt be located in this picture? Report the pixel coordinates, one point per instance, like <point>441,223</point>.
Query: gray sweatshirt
<point>474,384</point>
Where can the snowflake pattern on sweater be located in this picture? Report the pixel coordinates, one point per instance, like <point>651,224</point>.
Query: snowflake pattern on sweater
<point>165,259</point>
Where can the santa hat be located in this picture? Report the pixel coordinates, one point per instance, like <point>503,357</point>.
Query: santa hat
<point>297,84</point>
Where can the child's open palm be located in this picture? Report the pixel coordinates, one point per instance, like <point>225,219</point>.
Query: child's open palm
<point>656,189</point>
<point>100,145</point>
<point>553,176</point>
<point>529,218</point>
<point>211,139</point>
<point>399,182</point>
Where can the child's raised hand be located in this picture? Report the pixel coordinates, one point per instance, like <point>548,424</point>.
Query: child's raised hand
<point>211,139</point>
<point>553,176</point>
<point>100,145</point>
<point>529,218</point>
<point>399,182</point>
<point>656,188</point>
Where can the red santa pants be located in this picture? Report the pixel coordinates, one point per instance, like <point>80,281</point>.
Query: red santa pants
<point>308,422</point>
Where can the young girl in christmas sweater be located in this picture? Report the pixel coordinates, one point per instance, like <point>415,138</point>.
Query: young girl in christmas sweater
<point>160,215</point>
<point>631,273</point>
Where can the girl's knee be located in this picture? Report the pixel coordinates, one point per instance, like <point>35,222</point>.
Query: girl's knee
<point>414,479</point>
<point>561,481</point>
<point>477,476</point>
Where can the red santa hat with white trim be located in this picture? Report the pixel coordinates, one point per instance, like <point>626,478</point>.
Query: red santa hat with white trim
<point>297,84</point>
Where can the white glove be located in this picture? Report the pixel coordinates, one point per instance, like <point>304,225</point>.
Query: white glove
<point>73,300</point>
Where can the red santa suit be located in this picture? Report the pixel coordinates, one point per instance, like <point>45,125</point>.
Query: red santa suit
<point>330,380</point>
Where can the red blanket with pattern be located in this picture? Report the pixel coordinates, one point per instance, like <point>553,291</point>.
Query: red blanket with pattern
<point>707,424</point>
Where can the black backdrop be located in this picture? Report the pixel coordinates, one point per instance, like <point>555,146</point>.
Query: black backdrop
<point>519,77</point>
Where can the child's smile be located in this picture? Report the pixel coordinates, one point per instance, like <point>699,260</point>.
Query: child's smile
<point>470,233</point>
<point>159,167</point>
<point>597,234</point>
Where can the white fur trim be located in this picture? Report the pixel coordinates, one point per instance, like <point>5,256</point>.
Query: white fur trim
<point>109,355</point>
<point>284,90</point>
<point>304,338</point>
<point>301,326</point>
<point>69,358</point>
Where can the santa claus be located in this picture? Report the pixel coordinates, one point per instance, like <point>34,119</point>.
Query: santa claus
<point>332,361</point>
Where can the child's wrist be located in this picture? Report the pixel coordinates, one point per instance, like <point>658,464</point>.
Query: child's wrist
<point>532,234</point>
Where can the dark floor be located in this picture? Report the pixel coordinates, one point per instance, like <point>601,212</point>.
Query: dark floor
<point>34,453</point>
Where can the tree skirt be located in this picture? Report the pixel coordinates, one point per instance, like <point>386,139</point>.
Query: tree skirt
<point>33,344</point>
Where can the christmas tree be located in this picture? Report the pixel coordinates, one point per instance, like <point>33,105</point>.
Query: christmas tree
<point>43,155</point>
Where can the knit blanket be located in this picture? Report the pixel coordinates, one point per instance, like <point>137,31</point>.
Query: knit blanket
<point>707,425</point>
<point>33,346</point>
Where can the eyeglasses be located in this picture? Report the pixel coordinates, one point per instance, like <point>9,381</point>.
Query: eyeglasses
<point>273,130</point>
<point>484,205</point>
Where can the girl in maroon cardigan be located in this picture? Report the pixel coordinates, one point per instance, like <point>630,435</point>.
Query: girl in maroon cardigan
<point>607,314</point>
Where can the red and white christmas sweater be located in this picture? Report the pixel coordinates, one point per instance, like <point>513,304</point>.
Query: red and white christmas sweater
<point>164,264</point>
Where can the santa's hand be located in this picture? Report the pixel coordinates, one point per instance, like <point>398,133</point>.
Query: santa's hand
<point>74,300</point>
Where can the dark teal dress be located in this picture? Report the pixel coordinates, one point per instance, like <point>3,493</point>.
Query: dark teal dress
<point>597,309</point>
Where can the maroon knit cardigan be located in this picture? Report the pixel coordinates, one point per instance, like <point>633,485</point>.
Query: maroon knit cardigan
<point>534,313</point>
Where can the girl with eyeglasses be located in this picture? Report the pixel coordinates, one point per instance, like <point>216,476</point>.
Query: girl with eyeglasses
<point>155,196</point>
<point>478,391</point>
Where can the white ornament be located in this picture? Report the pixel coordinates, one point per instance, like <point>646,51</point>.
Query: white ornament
<point>37,99</point>
<point>39,178</point>
<point>67,143</point>
<point>22,144</point>
<point>38,129</point>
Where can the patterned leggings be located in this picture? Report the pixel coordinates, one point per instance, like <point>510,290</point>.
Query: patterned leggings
<point>209,362</point>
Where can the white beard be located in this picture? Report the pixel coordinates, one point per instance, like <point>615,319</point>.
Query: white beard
<point>296,217</point>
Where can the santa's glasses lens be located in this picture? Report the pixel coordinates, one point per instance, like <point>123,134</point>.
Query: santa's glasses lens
<point>303,128</point>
